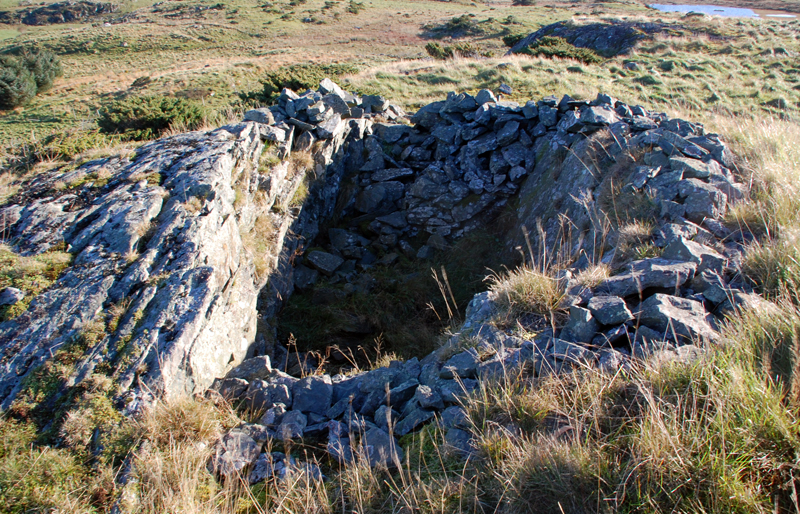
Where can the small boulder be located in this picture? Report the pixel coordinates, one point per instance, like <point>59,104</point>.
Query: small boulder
<point>325,262</point>
<point>312,394</point>
<point>610,310</point>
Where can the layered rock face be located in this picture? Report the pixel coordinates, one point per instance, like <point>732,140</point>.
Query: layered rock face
<point>195,236</point>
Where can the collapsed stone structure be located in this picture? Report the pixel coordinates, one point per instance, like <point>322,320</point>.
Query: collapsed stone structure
<point>196,237</point>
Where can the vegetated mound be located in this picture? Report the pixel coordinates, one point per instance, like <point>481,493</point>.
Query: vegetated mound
<point>604,38</point>
<point>59,12</point>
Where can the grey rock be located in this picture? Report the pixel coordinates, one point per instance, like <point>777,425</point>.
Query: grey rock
<point>274,415</point>
<point>687,250</point>
<point>370,198</point>
<point>312,394</point>
<point>485,96</point>
<point>381,449</point>
<point>235,452</point>
<point>11,295</point>
<point>453,391</point>
<point>230,388</point>
<point>305,277</point>
<point>598,116</point>
<point>463,365</point>
<point>262,115</point>
<point>304,142</point>
<point>427,398</point>
<point>677,317</point>
<point>392,174</point>
<point>581,326</point>
<point>693,168</point>
<point>454,417</point>
<point>647,273</point>
<point>331,127</point>
<point>252,369</point>
<point>460,441</point>
<point>262,469</point>
<point>413,421</point>
<point>610,310</point>
<point>508,133</point>
<point>530,111</point>
<point>325,262</point>
<point>292,425</point>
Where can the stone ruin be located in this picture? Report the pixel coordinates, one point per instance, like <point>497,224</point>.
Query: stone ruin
<point>199,240</point>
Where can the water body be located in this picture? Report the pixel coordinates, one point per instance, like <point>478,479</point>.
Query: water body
<point>720,10</point>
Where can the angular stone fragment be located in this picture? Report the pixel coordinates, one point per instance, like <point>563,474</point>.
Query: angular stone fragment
<point>609,310</point>
<point>236,451</point>
<point>331,127</point>
<point>412,421</point>
<point>647,273</point>
<point>312,394</point>
<point>325,262</point>
<point>462,365</point>
<point>428,398</point>
<point>262,115</point>
<point>381,449</point>
<point>292,425</point>
<point>686,250</point>
<point>676,317</point>
<point>11,295</point>
<point>581,326</point>
<point>252,369</point>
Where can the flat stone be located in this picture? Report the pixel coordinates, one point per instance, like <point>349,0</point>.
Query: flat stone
<point>412,421</point>
<point>262,115</point>
<point>508,133</point>
<point>686,250</point>
<point>252,369</point>
<point>677,317</point>
<point>610,310</point>
<point>428,398</point>
<point>581,326</point>
<point>292,425</point>
<point>381,449</point>
<point>392,174</point>
<point>325,262</point>
<point>463,365</point>
<point>312,394</point>
<point>647,273</point>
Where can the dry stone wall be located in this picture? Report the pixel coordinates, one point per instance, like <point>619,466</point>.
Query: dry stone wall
<point>197,239</point>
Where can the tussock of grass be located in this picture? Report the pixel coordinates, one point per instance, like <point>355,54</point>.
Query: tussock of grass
<point>524,291</point>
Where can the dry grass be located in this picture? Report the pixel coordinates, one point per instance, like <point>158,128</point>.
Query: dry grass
<point>525,291</point>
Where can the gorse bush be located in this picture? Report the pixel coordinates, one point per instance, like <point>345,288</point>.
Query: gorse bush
<point>301,77</point>
<point>146,117</point>
<point>549,46</point>
<point>442,53</point>
<point>23,76</point>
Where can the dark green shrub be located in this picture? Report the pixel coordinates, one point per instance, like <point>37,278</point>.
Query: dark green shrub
<point>23,76</point>
<point>45,66</point>
<point>550,46</point>
<point>512,39</point>
<point>17,84</point>
<point>440,52</point>
<point>458,27</point>
<point>146,117</point>
<point>301,77</point>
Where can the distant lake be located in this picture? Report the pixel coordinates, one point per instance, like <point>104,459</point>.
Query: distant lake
<point>720,10</point>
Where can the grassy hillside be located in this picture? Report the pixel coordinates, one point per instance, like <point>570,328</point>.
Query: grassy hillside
<point>717,435</point>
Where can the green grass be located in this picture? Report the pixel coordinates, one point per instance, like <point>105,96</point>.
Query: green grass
<point>32,275</point>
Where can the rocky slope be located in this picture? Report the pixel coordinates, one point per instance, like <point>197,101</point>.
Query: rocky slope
<point>196,237</point>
